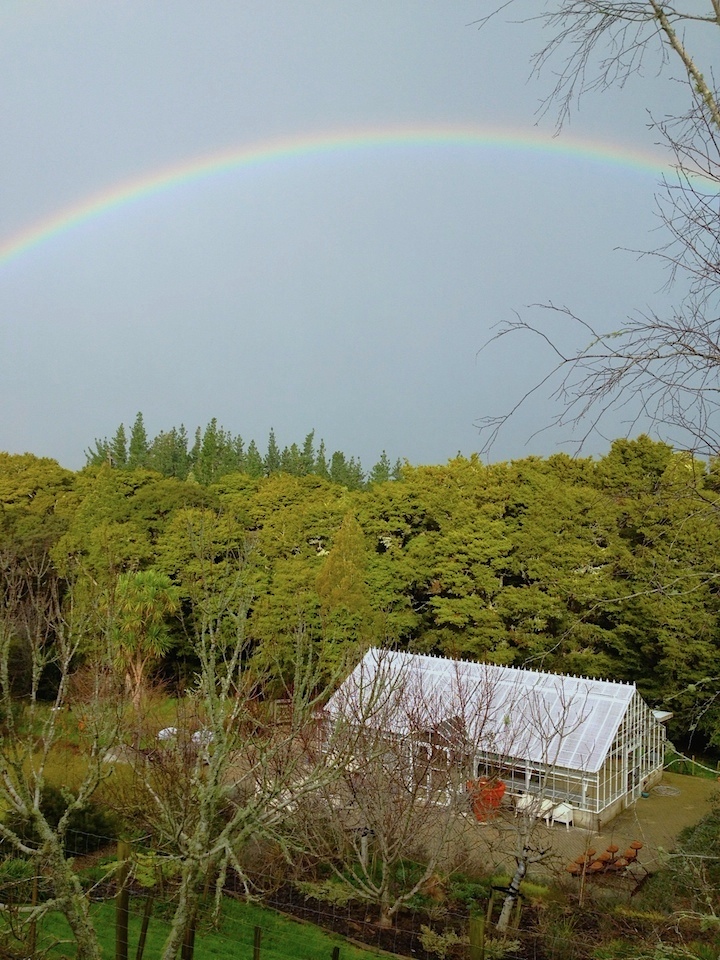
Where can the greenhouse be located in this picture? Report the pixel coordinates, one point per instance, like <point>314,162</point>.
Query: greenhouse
<point>582,748</point>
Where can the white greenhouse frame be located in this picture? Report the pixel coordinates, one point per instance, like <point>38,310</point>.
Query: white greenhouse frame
<point>592,745</point>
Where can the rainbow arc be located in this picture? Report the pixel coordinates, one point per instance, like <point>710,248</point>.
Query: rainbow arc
<point>289,149</point>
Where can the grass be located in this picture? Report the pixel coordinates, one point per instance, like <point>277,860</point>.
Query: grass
<point>282,938</point>
<point>690,766</point>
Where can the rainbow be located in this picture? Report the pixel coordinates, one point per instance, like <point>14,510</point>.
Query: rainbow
<point>288,149</point>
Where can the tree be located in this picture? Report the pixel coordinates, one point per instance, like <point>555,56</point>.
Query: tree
<point>307,455</point>
<point>139,606</point>
<point>291,461</point>
<point>253,461</point>
<point>391,815</point>
<point>382,471</point>
<point>664,368</point>
<point>50,627</point>
<point>271,462</point>
<point>139,448</point>
<point>118,448</point>
<point>321,467</point>
<point>342,589</point>
<point>204,806</point>
<point>168,453</point>
<point>348,473</point>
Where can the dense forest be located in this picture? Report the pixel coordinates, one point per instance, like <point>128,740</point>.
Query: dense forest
<point>604,567</point>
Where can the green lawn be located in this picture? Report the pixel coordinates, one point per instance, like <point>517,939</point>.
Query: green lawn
<point>232,939</point>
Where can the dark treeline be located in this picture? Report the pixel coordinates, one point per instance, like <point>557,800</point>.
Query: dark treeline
<point>606,567</point>
<point>215,452</point>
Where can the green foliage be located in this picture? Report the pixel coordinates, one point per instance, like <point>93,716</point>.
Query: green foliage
<point>604,567</point>
<point>471,893</point>
<point>88,829</point>
<point>139,448</point>
<point>441,942</point>
<point>617,950</point>
<point>16,880</point>
<point>327,891</point>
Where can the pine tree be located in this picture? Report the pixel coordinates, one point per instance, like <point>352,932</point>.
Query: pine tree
<point>206,469</point>
<point>272,457</point>
<point>194,455</point>
<point>239,454</point>
<point>349,473</point>
<point>307,457</point>
<point>254,465</point>
<point>118,448</point>
<point>139,448</point>
<point>321,465</point>
<point>382,471</point>
<point>168,454</point>
<point>95,457</point>
<point>291,461</point>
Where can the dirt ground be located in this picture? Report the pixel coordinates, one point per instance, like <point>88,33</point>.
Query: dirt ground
<point>675,803</point>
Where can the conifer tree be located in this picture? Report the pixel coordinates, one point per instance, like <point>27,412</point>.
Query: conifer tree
<point>254,464</point>
<point>118,448</point>
<point>99,454</point>
<point>321,465</point>
<point>139,447</point>
<point>382,471</point>
<point>291,461</point>
<point>307,457</point>
<point>272,457</point>
<point>239,456</point>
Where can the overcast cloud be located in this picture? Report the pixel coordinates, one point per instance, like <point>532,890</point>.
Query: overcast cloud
<point>349,293</point>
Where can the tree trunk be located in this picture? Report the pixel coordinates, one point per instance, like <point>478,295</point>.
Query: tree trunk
<point>186,905</point>
<point>74,905</point>
<point>386,917</point>
<point>511,897</point>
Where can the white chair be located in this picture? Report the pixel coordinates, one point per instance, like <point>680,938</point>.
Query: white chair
<point>562,813</point>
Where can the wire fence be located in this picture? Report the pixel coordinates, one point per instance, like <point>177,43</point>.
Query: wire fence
<point>243,930</point>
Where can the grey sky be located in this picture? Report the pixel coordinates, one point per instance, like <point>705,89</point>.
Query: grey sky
<point>346,293</point>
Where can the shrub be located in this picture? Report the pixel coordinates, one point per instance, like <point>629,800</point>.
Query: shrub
<point>88,829</point>
<point>16,877</point>
<point>440,943</point>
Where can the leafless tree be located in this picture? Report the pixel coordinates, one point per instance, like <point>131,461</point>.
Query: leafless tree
<point>662,368</point>
<point>46,626</point>
<point>227,773</point>
<point>401,749</point>
<point>540,728</point>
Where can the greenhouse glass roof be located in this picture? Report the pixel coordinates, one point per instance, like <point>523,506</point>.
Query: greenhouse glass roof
<point>513,714</point>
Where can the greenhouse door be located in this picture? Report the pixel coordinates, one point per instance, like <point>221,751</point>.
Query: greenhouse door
<point>634,780</point>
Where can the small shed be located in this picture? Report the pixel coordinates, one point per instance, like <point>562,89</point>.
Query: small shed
<point>591,745</point>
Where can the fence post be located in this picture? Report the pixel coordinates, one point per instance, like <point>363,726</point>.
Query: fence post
<point>477,937</point>
<point>336,953</point>
<point>256,943</point>
<point>122,902</point>
<point>144,928</point>
<point>188,945</point>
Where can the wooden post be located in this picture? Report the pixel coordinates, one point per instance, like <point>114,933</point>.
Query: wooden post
<point>336,953</point>
<point>147,913</point>
<point>256,943</point>
<point>518,910</point>
<point>122,902</point>
<point>476,931</point>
